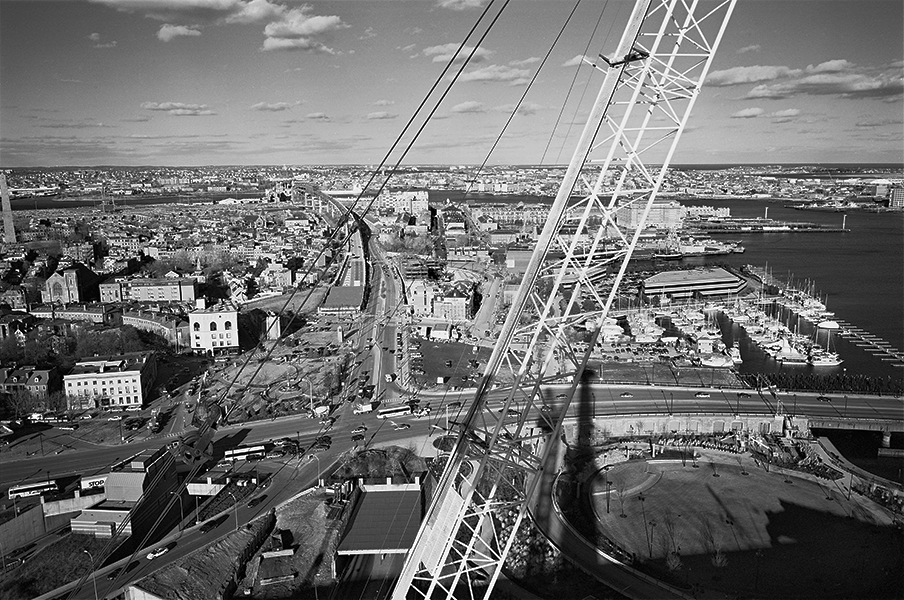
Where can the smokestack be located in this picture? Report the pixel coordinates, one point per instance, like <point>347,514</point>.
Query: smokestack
<point>9,232</point>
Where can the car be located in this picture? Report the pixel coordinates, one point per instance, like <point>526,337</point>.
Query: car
<point>212,524</point>
<point>114,573</point>
<point>359,429</point>
<point>454,405</point>
<point>357,437</point>
<point>402,427</point>
<point>545,408</point>
<point>255,501</point>
<point>626,395</point>
<point>156,552</point>
<point>743,395</point>
<point>323,439</point>
<point>701,395</point>
<point>823,398</point>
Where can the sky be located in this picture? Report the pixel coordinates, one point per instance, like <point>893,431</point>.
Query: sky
<point>272,82</point>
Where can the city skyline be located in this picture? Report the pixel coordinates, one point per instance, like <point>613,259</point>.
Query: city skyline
<point>221,82</point>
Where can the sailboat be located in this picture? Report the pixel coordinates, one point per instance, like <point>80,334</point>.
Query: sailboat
<point>824,358</point>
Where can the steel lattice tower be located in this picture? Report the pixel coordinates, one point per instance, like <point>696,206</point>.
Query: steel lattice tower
<point>491,476</point>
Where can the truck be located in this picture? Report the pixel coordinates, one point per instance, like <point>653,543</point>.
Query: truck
<point>364,407</point>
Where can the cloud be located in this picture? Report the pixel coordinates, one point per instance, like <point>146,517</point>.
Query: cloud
<point>317,116</point>
<point>523,63</point>
<point>298,29</point>
<point>754,74</point>
<point>81,125</point>
<point>254,11</point>
<point>577,61</point>
<point>444,53</point>
<point>526,109</point>
<point>879,123</point>
<point>471,106</point>
<point>272,106</point>
<point>368,34</point>
<point>497,73</point>
<point>95,37</point>
<point>788,112</point>
<point>384,103</point>
<point>460,4</point>
<point>169,32</point>
<point>830,66</point>
<point>179,109</point>
<point>846,85</point>
<point>748,113</point>
<point>751,48</point>
<point>380,115</point>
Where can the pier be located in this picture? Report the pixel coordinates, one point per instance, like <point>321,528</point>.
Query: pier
<point>871,343</point>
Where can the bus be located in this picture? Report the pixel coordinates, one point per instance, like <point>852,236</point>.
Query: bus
<point>33,488</point>
<point>245,453</point>
<point>395,411</point>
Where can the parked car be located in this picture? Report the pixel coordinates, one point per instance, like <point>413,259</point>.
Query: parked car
<point>701,395</point>
<point>357,437</point>
<point>359,429</point>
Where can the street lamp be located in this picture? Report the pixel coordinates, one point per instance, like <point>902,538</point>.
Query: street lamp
<point>318,468</point>
<point>235,504</point>
<point>93,572</point>
<point>181,511</point>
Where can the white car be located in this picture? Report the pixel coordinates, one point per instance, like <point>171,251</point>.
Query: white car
<point>157,552</point>
<point>402,427</point>
<point>627,395</point>
<point>701,395</point>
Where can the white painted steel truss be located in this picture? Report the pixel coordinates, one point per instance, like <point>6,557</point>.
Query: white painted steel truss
<point>649,88</point>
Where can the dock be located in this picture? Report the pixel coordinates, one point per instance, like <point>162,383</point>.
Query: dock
<point>871,343</point>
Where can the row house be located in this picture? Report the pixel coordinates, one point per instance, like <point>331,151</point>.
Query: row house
<point>111,382</point>
<point>173,329</point>
<point>166,289</point>
<point>37,382</point>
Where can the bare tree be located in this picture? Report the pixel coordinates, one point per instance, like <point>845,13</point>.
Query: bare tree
<point>719,560</point>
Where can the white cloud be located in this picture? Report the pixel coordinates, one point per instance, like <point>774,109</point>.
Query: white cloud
<point>846,85</point>
<point>94,37</point>
<point>254,11</point>
<point>577,61</point>
<point>272,106</point>
<point>751,48</point>
<point>526,109</point>
<point>298,29</point>
<point>460,4</point>
<point>497,73</point>
<point>444,53</point>
<point>788,112</point>
<point>830,66</point>
<point>368,34</point>
<point>381,115</point>
<point>384,103</point>
<point>471,106</point>
<point>524,62</point>
<point>179,109</point>
<point>317,116</point>
<point>748,113</point>
<point>169,32</point>
<point>754,74</point>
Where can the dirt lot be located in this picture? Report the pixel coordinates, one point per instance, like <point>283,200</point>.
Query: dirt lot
<point>314,538</point>
<point>779,536</point>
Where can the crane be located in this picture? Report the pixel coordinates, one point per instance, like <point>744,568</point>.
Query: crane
<point>491,477</point>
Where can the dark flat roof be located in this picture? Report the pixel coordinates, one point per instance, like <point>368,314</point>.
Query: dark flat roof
<point>344,296</point>
<point>384,522</point>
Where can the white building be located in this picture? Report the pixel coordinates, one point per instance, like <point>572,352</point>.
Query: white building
<point>115,382</point>
<point>214,330</point>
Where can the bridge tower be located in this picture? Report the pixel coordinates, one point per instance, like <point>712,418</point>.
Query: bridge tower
<point>649,85</point>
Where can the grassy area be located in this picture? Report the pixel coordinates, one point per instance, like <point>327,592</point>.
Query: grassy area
<point>56,565</point>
